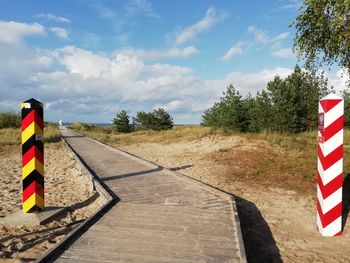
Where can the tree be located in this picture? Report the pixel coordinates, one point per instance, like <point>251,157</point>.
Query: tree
<point>288,105</point>
<point>346,96</point>
<point>258,111</point>
<point>157,120</point>
<point>228,113</point>
<point>323,33</point>
<point>121,122</point>
<point>295,100</point>
<point>144,119</point>
<point>163,120</point>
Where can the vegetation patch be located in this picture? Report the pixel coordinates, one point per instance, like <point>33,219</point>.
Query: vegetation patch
<point>110,135</point>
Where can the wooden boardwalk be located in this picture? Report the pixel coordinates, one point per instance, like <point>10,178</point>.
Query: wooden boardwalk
<point>161,216</point>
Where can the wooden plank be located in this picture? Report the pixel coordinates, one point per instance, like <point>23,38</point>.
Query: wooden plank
<point>160,218</point>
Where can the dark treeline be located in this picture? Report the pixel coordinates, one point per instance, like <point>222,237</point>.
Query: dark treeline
<point>287,105</point>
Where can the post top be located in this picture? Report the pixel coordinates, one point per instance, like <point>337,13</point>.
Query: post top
<point>332,96</point>
<point>32,101</point>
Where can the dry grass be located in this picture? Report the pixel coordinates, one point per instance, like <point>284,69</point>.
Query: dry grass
<point>11,137</point>
<point>283,160</point>
<point>109,136</point>
<point>302,146</point>
<point>268,166</point>
<point>51,134</point>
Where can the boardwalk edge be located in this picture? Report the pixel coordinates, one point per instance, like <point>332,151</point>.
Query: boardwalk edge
<point>224,194</point>
<point>109,200</point>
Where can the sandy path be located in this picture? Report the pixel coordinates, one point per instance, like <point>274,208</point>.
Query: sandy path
<point>277,224</point>
<point>65,186</point>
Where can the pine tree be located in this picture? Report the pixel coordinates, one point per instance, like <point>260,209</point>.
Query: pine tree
<point>121,122</point>
<point>158,120</point>
<point>163,120</point>
<point>228,113</point>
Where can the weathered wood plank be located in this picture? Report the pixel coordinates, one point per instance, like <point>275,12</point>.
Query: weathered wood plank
<point>161,217</point>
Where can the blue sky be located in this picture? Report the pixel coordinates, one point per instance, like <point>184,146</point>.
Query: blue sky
<point>88,59</point>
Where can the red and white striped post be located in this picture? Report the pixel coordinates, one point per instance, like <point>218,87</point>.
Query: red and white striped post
<point>330,165</point>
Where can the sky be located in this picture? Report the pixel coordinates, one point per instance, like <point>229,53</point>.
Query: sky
<point>87,60</point>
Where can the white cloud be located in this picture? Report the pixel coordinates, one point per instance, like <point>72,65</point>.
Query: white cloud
<point>12,32</point>
<point>259,35</point>
<point>339,80</point>
<point>291,5</point>
<point>141,6</point>
<point>281,37</point>
<point>170,106</point>
<point>95,86</point>
<point>283,53</point>
<point>103,10</point>
<point>83,62</point>
<point>60,32</point>
<point>232,52</point>
<point>212,16</point>
<point>81,85</point>
<point>249,82</point>
<point>156,54</point>
<point>261,39</point>
<point>52,17</point>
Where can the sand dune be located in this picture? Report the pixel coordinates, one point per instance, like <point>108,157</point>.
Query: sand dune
<point>277,224</point>
<point>65,186</point>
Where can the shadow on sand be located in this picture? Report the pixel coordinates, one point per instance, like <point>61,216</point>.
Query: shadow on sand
<point>260,246</point>
<point>346,199</point>
<point>31,238</point>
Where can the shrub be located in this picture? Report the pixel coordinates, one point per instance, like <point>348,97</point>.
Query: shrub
<point>9,120</point>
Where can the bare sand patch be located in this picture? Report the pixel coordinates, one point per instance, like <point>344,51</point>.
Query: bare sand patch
<point>65,186</point>
<point>277,210</point>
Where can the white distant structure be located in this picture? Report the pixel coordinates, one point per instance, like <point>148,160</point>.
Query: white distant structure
<point>60,123</point>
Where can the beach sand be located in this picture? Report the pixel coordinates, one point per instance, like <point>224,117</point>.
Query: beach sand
<point>278,224</point>
<point>65,186</point>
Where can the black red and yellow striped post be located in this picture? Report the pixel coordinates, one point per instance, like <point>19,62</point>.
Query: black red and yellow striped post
<point>32,155</point>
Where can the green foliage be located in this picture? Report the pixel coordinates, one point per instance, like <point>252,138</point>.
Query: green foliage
<point>144,120</point>
<point>163,120</point>
<point>288,105</point>
<point>346,96</point>
<point>9,120</point>
<point>323,32</point>
<point>157,120</point>
<point>295,100</point>
<point>122,123</point>
<point>258,112</point>
<point>228,113</point>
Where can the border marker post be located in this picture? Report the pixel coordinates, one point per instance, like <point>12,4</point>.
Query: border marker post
<point>330,165</point>
<point>32,156</point>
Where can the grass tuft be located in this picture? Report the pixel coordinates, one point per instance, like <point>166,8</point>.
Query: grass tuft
<point>51,134</point>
